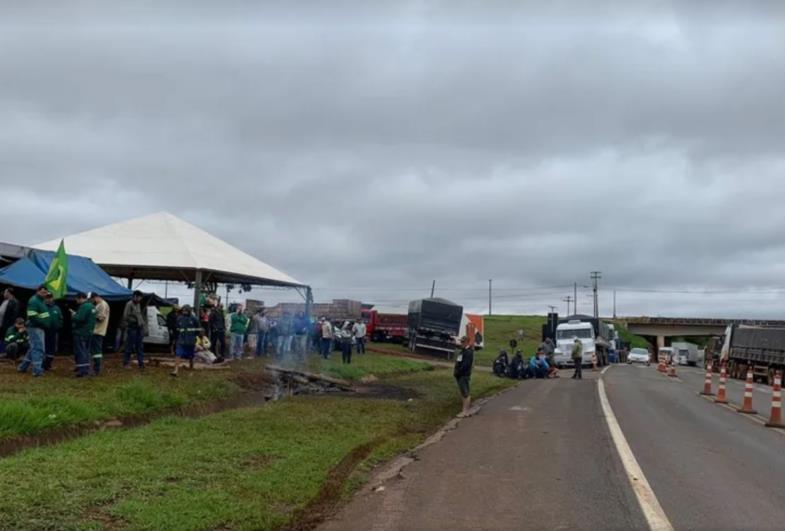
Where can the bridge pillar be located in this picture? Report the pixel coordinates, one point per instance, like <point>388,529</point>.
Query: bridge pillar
<point>660,342</point>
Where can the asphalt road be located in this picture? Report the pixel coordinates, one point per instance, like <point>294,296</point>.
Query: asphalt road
<point>541,457</point>
<point>710,468</point>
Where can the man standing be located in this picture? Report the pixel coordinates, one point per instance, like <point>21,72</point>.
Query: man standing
<point>99,332</point>
<point>188,328</point>
<point>577,359</point>
<point>37,323</point>
<point>285,329</point>
<point>82,324</point>
<point>218,331</point>
<point>359,330</point>
<point>51,333</point>
<point>171,327</point>
<point>327,338</point>
<point>135,325</point>
<point>9,310</point>
<point>239,325</point>
<point>262,325</point>
<point>301,334</point>
<point>464,363</point>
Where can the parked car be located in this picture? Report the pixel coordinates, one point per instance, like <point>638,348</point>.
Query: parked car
<point>639,355</point>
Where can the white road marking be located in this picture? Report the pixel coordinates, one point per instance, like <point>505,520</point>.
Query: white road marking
<point>647,500</point>
<point>605,369</point>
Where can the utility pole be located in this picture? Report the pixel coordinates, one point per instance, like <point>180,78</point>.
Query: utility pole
<point>614,304</point>
<point>433,288</point>
<point>490,296</point>
<point>568,300</point>
<point>595,277</point>
<point>575,297</point>
<point>551,309</point>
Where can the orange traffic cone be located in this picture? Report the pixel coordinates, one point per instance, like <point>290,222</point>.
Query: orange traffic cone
<point>775,420</point>
<point>661,364</point>
<point>721,398</point>
<point>707,382</point>
<point>747,406</point>
<point>594,361</point>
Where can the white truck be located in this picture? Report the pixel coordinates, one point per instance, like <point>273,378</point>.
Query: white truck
<point>566,334</point>
<point>686,353</point>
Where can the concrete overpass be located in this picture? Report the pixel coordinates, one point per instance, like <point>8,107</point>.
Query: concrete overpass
<point>665,327</point>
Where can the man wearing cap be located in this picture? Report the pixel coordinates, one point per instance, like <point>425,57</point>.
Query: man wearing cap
<point>51,333</point>
<point>82,324</point>
<point>188,328</point>
<point>99,332</point>
<point>135,325</point>
<point>464,363</point>
<point>37,323</point>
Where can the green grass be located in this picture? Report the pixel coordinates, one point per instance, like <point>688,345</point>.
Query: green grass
<point>364,365</point>
<point>29,406</point>
<point>500,329</point>
<point>244,469</point>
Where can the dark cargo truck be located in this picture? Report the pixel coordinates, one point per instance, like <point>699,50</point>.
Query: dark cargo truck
<point>434,325</point>
<point>762,348</point>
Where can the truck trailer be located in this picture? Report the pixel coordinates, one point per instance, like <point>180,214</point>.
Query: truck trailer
<point>434,324</point>
<point>762,348</point>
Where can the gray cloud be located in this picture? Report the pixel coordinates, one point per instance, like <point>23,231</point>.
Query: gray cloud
<point>381,148</point>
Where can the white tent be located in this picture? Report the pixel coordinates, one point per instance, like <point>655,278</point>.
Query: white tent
<point>163,247</point>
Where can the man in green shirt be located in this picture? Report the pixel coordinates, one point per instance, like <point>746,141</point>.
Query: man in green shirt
<point>239,325</point>
<point>82,323</point>
<point>38,322</point>
<point>16,340</point>
<point>50,336</point>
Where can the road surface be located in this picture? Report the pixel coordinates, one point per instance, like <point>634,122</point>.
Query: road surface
<point>541,456</point>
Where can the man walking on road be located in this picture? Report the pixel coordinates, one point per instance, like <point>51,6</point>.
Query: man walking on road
<point>577,359</point>
<point>464,363</point>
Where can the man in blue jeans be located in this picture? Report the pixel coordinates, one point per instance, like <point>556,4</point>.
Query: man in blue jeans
<point>135,326</point>
<point>37,324</point>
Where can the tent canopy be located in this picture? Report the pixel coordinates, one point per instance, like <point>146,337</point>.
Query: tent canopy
<point>83,275</point>
<point>163,247</point>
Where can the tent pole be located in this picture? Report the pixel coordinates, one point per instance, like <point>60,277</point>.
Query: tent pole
<point>197,291</point>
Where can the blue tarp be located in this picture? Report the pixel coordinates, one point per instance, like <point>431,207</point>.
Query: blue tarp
<point>83,275</point>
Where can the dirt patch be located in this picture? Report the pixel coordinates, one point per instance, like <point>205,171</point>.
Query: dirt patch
<point>383,391</point>
<point>321,507</point>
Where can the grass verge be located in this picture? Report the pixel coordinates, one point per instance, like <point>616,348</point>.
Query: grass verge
<point>243,469</point>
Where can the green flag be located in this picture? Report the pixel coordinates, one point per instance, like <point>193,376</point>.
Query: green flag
<point>58,272</point>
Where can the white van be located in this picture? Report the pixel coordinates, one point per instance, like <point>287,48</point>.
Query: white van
<point>157,333</point>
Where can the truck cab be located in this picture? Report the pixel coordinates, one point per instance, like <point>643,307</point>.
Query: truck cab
<point>566,334</point>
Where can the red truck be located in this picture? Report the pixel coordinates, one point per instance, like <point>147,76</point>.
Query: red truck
<point>383,326</point>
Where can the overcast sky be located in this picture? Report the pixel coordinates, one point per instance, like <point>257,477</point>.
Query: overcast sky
<point>368,151</point>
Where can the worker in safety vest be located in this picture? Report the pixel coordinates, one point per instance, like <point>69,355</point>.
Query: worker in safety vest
<point>83,324</point>
<point>37,323</point>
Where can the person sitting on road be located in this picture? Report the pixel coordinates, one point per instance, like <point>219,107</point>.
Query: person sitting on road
<point>202,351</point>
<point>16,340</point>
<point>553,370</point>
<point>517,367</point>
<point>501,363</point>
<point>539,366</point>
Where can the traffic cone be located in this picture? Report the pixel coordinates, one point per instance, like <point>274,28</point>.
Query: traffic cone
<point>594,361</point>
<point>721,398</point>
<point>707,382</point>
<point>747,406</point>
<point>661,364</point>
<point>775,420</point>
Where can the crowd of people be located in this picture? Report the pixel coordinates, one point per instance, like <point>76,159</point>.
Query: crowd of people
<point>540,365</point>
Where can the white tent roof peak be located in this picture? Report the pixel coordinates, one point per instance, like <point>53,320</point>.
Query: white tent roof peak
<point>163,246</point>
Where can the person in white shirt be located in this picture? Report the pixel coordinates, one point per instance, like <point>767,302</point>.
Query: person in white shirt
<point>359,330</point>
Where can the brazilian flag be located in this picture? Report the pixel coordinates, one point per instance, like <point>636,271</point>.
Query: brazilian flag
<point>58,272</point>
